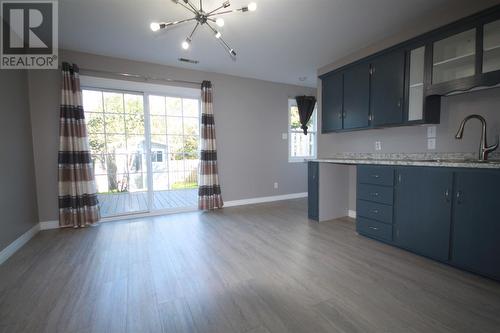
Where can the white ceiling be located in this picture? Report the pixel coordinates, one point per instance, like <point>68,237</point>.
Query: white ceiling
<point>282,41</point>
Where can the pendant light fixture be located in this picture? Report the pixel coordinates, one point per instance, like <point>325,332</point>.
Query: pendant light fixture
<point>202,17</point>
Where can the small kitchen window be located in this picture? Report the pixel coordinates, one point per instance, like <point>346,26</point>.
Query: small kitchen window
<point>300,146</point>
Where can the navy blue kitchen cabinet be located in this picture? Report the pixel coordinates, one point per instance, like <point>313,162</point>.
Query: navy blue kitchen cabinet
<point>476,222</point>
<point>357,96</point>
<point>454,58</point>
<point>448,214</point>
<point>313,190</point>
<point>387,89</point>
<point>422,210</point>
<point>332,103</point>
<point>375,194</point>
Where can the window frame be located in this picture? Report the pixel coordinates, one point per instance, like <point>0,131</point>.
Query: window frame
<point>145,89</point>
<point>295,159</point>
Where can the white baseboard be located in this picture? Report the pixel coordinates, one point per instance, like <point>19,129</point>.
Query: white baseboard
<point>352,214</point>
<point>252,201</point>
<point>18,243</point>
<point>48,225</point>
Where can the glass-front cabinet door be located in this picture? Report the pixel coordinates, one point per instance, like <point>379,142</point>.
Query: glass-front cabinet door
<point>454,57</point>
<point>491,47</point>
<point>416,84</point>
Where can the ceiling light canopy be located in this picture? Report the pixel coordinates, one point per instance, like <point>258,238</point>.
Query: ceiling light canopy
<point>203,17</point>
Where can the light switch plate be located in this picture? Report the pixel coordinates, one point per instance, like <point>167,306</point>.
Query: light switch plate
<point>431,144</point>
<point>378,145</point>
<point>284,136</point>
<point>431,132</point>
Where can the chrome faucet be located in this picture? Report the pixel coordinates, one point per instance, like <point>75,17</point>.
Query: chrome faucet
<point>484,149</point>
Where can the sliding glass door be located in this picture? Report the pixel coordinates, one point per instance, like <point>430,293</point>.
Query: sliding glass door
<point>174,124</point>
<point>145,150</point>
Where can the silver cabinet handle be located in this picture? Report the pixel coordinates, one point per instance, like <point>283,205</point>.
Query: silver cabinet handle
<point>373,228</point>
<point>376,176</point>
<point>340,115</point>
<point>459,197</point>
<point>375,211</point>
<point>447,195</point>
<point>374,194</point>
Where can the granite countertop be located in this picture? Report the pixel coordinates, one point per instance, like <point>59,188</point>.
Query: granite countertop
<point>450,160</point>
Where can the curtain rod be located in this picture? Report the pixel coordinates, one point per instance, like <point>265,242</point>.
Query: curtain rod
<point>137,76</point>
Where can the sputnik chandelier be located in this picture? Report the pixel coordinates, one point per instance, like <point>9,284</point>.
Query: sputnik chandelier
<point>203,17</point>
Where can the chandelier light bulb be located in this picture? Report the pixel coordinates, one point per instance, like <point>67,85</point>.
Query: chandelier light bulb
<point>185,44</point>
<point>210,18</point>
<point>155,26</point>
<point>219,22</point>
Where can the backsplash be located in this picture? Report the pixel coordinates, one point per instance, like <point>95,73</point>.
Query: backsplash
<point>412,156</point>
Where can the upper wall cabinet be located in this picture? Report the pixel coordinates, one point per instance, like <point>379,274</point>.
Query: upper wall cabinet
<point>405,83</point>
<point>466,56</point>
<point>332,103</point>
<point>454,57</point>
<point>491,47</point>
<point>415,91</point>
<point>357,96</point>
<point>387,89</point>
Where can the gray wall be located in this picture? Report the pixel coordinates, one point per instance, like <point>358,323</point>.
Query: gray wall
<point>17,179</point>
<point>414,139</point>
<point>250,117</point>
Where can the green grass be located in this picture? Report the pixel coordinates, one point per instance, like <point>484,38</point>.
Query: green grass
<point>182,185</point>
<point>113,192</point>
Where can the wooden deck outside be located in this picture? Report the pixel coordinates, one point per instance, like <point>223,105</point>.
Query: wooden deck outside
<point>130,202</point>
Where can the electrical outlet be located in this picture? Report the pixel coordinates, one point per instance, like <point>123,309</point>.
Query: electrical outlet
<point>275,185</point>
<point>431,132</point>
<point>431,144</point>
<point>378,145</point>
<point>284,136</point>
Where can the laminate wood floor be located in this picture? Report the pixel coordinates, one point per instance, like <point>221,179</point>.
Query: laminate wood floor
<point>256,269</point>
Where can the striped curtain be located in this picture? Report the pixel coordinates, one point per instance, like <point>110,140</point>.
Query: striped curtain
<point>78,205</point>
<point>209,194</point>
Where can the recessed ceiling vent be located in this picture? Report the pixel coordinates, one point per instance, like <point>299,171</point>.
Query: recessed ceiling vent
<point>189,61</point>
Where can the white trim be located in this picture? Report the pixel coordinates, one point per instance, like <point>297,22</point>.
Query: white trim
<point>90,82</point>
<point>351,213</point>
<point>252,201</point>
<point>18,243</point>
<point>48,225</point>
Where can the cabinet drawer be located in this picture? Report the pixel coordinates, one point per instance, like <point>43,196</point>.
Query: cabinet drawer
<point>375,211</point>
<point>376,175</point>
<point>376,193</point>
<point>374,229</point>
